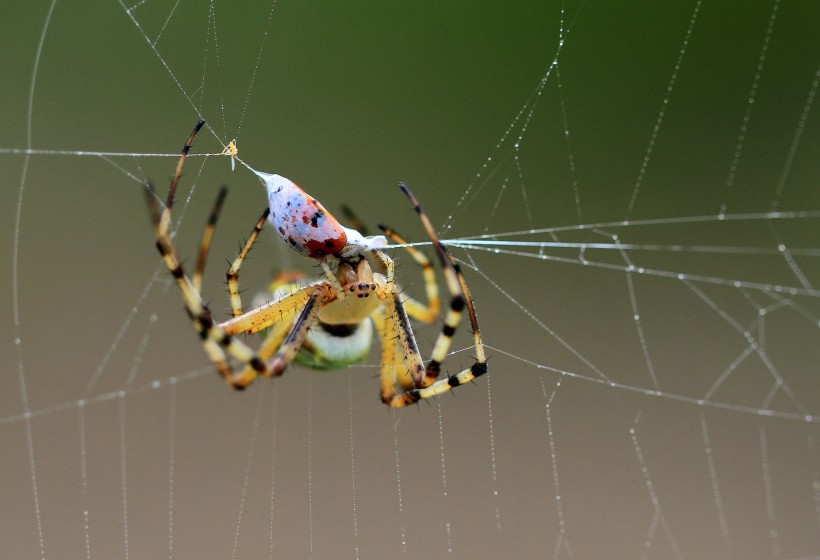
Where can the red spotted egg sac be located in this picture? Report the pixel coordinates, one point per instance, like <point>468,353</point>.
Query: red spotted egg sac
<point>301,220</point>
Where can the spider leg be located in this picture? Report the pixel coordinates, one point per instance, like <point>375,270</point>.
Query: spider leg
<point>479,346</point>
<point>387,325</point>
<point>287,351</point>
<point>455,284</point>
<point>397,329</point>
<point>213,339</point>
<point>306,319</point>
<point>416,309</point>
<point>273,339</point>
<point>420,382</point>
<point>275,311</point>
<point>421,385</point>
<point>197,310</point>
<point>165,219</point>
<point>460,298</point>
<point>207,237</point>
<point>389,358</point>
<point>233,272</point>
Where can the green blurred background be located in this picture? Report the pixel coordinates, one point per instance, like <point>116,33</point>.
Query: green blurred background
<point>347,99</point>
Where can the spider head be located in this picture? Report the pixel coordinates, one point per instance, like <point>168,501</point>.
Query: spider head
<point>307,227</point>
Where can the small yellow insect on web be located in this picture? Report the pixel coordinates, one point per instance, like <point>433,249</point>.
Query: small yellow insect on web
<point>231,150</point>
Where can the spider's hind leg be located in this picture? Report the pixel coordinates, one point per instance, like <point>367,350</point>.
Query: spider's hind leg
<point>428,385</point>
<point>426,313</point>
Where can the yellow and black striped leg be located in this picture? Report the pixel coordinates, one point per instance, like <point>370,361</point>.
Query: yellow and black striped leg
<point>207,237</point>
<point>298,332</point>
<point>460,298</point>
<point>448,384</point>
<point>273,340</point>
<point>479,346</point>
<point>426,313</point>
<point>197,310</point>
<point>425,384</point>
<point>405,367</point>
<point>233,272</point>
<point>165,219</point>
<point>275,311</point>
<point>288,349</point>
<point>390,364</point>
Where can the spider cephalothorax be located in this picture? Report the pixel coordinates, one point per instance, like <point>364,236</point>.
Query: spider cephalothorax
<point>328,323</point>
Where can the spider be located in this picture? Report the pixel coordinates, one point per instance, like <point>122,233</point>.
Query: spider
<point>327,323</point>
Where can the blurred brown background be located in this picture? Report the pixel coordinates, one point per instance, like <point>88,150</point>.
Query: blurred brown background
<point>347,99</point>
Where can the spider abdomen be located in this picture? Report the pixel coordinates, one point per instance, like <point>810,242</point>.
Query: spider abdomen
<point>330,347</point>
